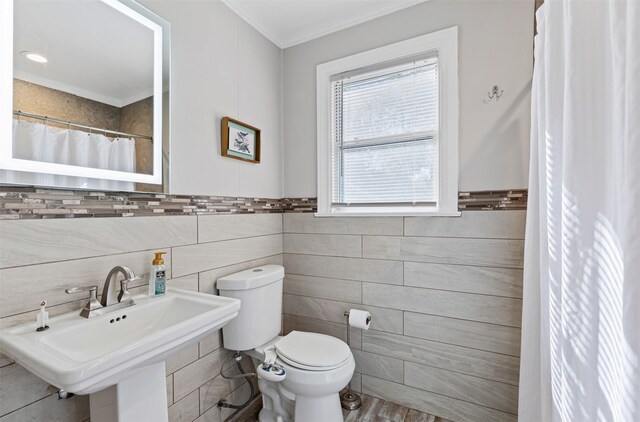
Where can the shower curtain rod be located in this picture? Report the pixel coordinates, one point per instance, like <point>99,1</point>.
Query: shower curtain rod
<point>95,129</point>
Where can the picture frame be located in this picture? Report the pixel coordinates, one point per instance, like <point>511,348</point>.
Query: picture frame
<point>240,140</point>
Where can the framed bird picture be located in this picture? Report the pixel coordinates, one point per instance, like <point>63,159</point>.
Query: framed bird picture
<point>240,140</point>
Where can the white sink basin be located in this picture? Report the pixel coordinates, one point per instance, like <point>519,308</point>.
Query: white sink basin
<point>85,356</point>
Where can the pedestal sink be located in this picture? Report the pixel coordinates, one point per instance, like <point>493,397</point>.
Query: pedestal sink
<point>118,358</point>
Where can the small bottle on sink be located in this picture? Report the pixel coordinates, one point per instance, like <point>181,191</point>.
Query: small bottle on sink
<point>157,276</point>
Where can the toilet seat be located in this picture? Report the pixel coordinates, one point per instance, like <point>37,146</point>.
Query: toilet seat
<point>312,351</point>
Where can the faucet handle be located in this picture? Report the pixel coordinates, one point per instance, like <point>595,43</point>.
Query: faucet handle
<point>93,303</point>
<point>124,295</point>
<point>91,289</point>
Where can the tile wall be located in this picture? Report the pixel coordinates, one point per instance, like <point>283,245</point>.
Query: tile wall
<point>40,258</point>
<point>445,293</point>
<point>445,299</point>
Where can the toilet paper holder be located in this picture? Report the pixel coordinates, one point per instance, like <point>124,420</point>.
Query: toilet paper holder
<point>346,314</point>
<point>350,400</point>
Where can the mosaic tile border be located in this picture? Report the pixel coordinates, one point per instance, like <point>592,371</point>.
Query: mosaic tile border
<point>515,199</point>
<point>19,202</point>
<point>34,203</point>
<point>299,204</point>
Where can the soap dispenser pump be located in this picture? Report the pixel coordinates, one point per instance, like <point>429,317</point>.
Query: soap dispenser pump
<point>157,276</point>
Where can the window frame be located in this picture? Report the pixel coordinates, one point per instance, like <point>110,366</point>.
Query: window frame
<point>444,43</point>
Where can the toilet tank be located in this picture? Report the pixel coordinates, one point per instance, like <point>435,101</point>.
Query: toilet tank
<point>260,317</point>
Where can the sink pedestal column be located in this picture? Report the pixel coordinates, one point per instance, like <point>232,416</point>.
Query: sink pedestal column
<point>140,397</point>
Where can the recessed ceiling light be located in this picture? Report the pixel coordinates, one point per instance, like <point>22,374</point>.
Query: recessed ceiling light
<point>35,57</point>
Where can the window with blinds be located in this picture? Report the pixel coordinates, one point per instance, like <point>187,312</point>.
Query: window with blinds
<point>384,135</point>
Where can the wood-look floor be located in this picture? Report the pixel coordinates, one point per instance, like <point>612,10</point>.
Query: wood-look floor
<point>373,409</point>
<point>377,410</point>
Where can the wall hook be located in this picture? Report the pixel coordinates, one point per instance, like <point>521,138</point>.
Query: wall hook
<point>494,94</point>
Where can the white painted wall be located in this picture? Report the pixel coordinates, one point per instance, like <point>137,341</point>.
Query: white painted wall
<point>495,47</point>
<point>220,67</point>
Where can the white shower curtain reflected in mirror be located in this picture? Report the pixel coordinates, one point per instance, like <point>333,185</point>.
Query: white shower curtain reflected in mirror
<point>40,142</point>
<point>581,316</point>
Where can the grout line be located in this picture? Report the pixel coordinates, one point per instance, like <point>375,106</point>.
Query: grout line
<point>491,352</point>
<point>408,261</point>
<point>405,260</point>
<point>414,311</point>
<point>106,255</point>
<point>26,405</point>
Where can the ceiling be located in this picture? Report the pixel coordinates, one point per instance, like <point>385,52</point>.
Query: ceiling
<point>290,22</point>
<point>93,50</point>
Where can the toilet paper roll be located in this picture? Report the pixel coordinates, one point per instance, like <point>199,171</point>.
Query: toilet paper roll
<point>359,319</point>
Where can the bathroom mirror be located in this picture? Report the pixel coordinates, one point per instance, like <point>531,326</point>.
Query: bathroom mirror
<point>88,103</point>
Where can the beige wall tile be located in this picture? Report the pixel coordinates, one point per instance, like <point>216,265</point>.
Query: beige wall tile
<point>186,409</point>
<point>19,387</point>
<point>478,363</point>
<point>51,409</point>
<point>483,308</point>
<point>477,335</point>
<point>379,366</point>
<point>169,390</point>
<point>211,415</point>
<point>196,374</point>
<point>184,356</point>
<point>325,288</point>
<point>464,278</point>
<point>495,395</point>
<point>5,360</point>
<point>323,244</point>
<point>208,278</point>
<point>207,256</point>
<point>210,343</point>
<point>27,242</point>
<point>371,270</point>
<point>479,224</point>
<point>331,310</point>
<point>212,228</point>
<point>23,288</point>
<point>356,382</point>
<point>482,252</point>
<point>443,406</point>
<point>308,223</point>
<point>189,282</point>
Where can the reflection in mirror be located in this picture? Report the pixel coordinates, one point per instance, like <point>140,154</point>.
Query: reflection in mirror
<point>88,95</point>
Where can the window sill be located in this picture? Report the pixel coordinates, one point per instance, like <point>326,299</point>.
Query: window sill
<point>388,214</point>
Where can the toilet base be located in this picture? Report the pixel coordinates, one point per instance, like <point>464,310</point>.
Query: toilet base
<point>275,406</point>
<point>318,409</point>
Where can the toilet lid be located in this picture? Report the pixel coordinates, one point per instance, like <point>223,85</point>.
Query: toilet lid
<point>312,351</point>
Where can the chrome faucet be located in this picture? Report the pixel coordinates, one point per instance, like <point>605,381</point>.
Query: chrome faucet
<point>107,302</point>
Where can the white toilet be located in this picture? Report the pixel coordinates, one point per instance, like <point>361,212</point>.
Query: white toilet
<point>316,366</point>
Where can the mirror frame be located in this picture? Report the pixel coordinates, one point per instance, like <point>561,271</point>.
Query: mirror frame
<point>8,162</point>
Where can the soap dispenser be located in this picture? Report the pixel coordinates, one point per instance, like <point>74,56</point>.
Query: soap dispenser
<point>157,276</point>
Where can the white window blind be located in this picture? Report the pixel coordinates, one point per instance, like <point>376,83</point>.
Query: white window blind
<point>384,135</point>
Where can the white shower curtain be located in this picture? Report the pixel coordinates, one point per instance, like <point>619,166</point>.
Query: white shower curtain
<point>40,142</point>
<point>581,317</point>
